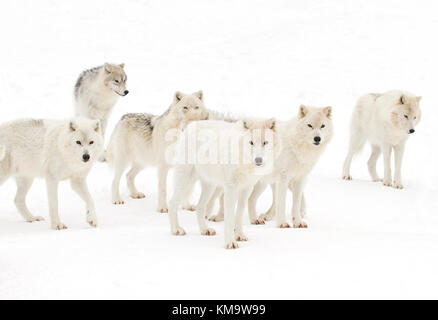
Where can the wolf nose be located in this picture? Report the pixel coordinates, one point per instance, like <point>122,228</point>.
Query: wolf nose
<point>86,157</point>
<point>411,131</point>
<point>317,139</point>
<point>126,92</point>
<point>258,161</point>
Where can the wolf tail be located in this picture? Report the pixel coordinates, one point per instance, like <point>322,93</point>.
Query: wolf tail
<point>2,152</point>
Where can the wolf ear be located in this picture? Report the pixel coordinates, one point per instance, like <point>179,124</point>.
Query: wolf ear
<point>402,100</point>
<point>122,65</point>
<point>418,98</point>
<point>72,126</point>
<point>178,96</point>
<point>303,111</point>
<point>271,124</point>
<point>199,94</point>
<point>107,67</point>
<point>328,112</point>
<point>97,126</point>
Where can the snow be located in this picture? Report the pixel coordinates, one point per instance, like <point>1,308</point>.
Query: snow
<point>258,58</point>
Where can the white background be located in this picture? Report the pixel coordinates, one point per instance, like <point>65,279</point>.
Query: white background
<point>255,58</point>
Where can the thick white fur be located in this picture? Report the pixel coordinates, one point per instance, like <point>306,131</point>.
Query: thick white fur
<point>298,157</point>
<point>236,180</point>
<point>49,149</point>
<point>97,92</point>
<point>141,143</point>
<point>385,120</point>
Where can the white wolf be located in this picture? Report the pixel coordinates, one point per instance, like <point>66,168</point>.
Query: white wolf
<point>256,139</point>
<point>386,120</point>
<point>97,91</point>
<point>303,141</point>
<point>55,150</point>
<point>141,139</point>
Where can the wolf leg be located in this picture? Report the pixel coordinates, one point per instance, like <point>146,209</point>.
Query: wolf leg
<point>297,192</point>
<point>356,141</point>
<point>212,201</point>
<point>79,185</point>
<point>162,188</point>
<point>119,167</point>
<point>241,205</point>
<point>398,158</point>
<point>52,193</point>
<point>252,203</point>
<point>220,214</point>
<point>270,214</point>
<point>186,202</point>
<point>182,176</point>
<point>280,203</point>
<point>230,199</point>
<point>387,150</point>
<point>130,180</point>
<point>206,193</point>
<point>23,186</point>
<point>375,154</point>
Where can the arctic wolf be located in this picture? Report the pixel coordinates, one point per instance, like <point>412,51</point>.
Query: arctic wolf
<point>386,121</point>
<point>256,139</point>
<point>303,140</point>
<point>97,91</point>
<point>55,150</point>
<point>140,140</point>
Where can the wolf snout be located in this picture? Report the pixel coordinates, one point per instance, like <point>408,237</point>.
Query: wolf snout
<point>85,157</point>
<point>317,140</point>
<point>258,161</point>
<point>411,131</point>
<point>126,92</point>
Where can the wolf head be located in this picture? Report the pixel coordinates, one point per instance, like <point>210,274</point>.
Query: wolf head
<point>261,143</point>
<point>83,141</point>
<point>190,106</point>
<point>406,113</point>
<point>115,78</point>
<point>315,125</point>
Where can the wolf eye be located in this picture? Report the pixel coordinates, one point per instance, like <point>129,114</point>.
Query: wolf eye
<point>78,142</point>
<point>415,118</point>
<point>116,81</point>
<point>196,108</point>
<point>91,142</point>
<point>310,126</point>
<point>265,143</point>
<point>186,108</point>
<point>406,117</point>
<point>251,143</point>
<point>323,126</point>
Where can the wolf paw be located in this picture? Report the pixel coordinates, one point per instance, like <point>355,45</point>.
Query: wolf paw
<point>387,183</point>
<point>179,232</point>
<point>258,221</point>
<point>397,185</point>
<point>217,218</point>
<point>231,245</point>
<point>189,207</point>
<point>59,226</point>
<point>116,202</point>
<point>284,225</point>
<point>240,236</point>
<point>377,179</point>
<point>208,232</point>
<point>138,195</point>
<point>163,210</point>
<point>34,218</point>
<point>347,177</point>
<point>300,224</point>
<point>92,220</point>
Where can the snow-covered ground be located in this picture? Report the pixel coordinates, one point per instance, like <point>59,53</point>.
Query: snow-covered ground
<point>261,58</point>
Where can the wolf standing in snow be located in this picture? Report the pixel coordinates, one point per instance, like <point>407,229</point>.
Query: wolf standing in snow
<point>97,91</point>
<point>257,139</point>
<point>303,141</point>
<point>54,150</point>
<point>386,120</point>
<point>139,140</point>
